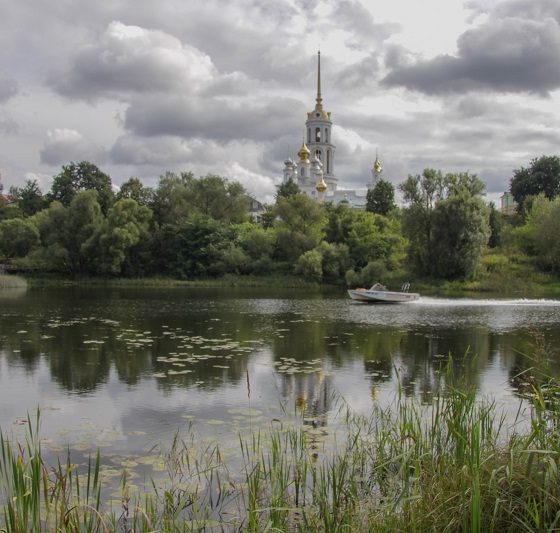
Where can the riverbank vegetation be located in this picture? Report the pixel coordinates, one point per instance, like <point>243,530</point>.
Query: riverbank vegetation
<point>189,228</point>
<point>452,465</point>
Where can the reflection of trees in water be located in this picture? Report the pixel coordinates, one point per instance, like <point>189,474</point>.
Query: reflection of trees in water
<point>419,355</point>
<point>534,359</point>
<point>312,395</point>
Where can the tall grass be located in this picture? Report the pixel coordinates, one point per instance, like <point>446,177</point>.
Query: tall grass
<point>451,466</point>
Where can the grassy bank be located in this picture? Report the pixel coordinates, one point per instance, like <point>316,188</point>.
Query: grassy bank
<point>229,280</point>
<point>451,467</point>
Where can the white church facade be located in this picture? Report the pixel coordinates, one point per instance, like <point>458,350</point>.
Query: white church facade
<point>314,171</point>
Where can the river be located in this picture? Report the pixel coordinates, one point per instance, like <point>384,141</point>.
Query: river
<point>125,369</point>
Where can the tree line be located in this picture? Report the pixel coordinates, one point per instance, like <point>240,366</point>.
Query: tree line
<point>188,227</point>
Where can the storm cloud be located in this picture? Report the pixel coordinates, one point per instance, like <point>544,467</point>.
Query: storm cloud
<point>507,55</point>
<point>216,119</point>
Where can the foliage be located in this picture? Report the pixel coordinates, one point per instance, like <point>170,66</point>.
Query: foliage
<point>17,237</point>
<point>192,249</point>
<point>496,224</point>
<point>29,198</point>
<point>366,276</point>
<point>287,189</point>
<point>67,233</point>
<point>446,223</point>
<point>309,265</point>
<point>368,236</point>
<point>125,225</point>
<point>135,190</point>
<point>381,199</point>
<point>259,244</point>
<point>83,176</point>
<point>541,177</point>
<point>178,198</point>
<point>328,262</point>
<point>540,236</point>
<point>299,226</point>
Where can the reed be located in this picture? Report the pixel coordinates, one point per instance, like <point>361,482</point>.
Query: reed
<point>449,466</point>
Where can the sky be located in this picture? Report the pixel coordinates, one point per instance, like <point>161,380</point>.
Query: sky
<point>141,87</point>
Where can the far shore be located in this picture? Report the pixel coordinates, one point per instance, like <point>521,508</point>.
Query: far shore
<point>494,285</point>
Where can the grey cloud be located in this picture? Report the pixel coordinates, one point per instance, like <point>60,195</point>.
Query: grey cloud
<point>356,19</point>
<point>130,59</point>
<point>510,55</point>
<point>8,88</point>
<point>358,77</point>
<point>8,125</point>
<point>533,9</point>
<point>213,119</point>
<point>64,145</point>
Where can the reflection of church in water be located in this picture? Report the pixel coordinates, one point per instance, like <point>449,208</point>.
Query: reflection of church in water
<point>314,171</point>
<point>312,394</point>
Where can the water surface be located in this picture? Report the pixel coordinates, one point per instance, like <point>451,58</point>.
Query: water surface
<point>124,369</point>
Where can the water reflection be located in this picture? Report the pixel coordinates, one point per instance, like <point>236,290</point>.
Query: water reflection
<point>143,362</point>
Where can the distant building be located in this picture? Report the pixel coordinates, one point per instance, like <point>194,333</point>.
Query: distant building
<point>508,205</point>
<point>314,171</point>
<point>256,209</point>
<point>6,200</point>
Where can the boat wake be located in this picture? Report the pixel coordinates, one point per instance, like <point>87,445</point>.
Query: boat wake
<point>475,302</point>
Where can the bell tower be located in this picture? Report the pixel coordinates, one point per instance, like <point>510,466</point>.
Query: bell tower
<point>318,127</point>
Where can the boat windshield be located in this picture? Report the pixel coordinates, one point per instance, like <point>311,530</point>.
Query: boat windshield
<point>378,287</point>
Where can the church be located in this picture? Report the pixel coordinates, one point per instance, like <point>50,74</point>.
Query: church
<point>314,171</point>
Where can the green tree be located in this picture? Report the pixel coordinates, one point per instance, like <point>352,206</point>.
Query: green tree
<point>29,198</point>
<point>375,237</point>
<point>287,189</point>
<point>496,224</point>
<point>67,232</point>
<point>381,199</point>
<point>258,243</point>
<point>446,222</point>
<point>126,224</point>
<point>178,198</point>
<point>540,236</point>
<point>83,176</point>
<point>299,226</point>
<point>541,176</point>
<point>192,249</point>
<point>135,190</point>
<point>17,237</point>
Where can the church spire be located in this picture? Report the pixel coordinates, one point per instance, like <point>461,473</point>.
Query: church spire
<point>319,100</point>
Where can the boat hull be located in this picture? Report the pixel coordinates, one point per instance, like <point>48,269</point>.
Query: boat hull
<point>382,297</point>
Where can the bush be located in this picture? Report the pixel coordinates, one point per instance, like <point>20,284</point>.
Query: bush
<point>310,265</point>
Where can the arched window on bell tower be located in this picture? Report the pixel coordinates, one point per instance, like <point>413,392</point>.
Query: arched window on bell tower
<point>317,135</point>
<point>318,155</point>
<point>328,161</point>
<point>326,135</point>
<point>308,135</point>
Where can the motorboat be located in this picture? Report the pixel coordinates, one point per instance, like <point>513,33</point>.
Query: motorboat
<point>378,293</point>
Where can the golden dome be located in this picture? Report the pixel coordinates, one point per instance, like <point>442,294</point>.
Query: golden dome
<point>304,153</point>
<point>321,185</point>
<point>377,167</point>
